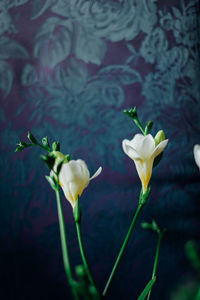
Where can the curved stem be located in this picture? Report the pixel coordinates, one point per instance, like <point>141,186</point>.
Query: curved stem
<point>63,238</point>
<point>160,236</point>
<point>123,247</point>
<point>85,264</point>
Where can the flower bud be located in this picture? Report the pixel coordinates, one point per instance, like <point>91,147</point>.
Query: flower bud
<point>56,146</point>
<point>160,136</point>
<point>31,138</point>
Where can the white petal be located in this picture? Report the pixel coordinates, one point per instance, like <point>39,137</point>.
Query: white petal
<point>96,173</point>
<point>129,150</point>
<point>196,151</point>
<point>146,146</point>
<point>159,148</point>
<point>84,168</point>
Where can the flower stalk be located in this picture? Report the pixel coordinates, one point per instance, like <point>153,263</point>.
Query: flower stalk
<point>142,201</point>
<point>77,218</point>
<point>63,238</point>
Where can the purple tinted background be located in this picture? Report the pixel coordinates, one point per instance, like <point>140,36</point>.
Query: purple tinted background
<point>67,70</point>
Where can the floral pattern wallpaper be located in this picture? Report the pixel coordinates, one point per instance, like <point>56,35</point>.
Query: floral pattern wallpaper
<point>68,68</point>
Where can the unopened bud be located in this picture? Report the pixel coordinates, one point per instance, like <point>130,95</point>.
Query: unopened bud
<point>160,136</point>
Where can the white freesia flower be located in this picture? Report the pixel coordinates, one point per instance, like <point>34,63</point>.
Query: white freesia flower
<point>143,150</point>
<point>74,177</point>
<point>196,151</point>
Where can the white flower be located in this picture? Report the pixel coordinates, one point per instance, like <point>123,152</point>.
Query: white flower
<point>196,151</point>
<point>74,177</point>
<point>143,150</point>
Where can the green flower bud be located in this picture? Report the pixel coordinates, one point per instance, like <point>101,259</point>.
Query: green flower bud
<point>80,272</point>
<point>131,113</point>
<point>56,146</point>
<point>45,142</point>
<point>160,136</point>
<point>146,225</point>
<point>31,138</point>
<point>148,127</point>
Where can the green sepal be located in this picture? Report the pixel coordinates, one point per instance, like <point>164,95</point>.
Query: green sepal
<point>148,127</point>
<point>45,142</point>
<point>144,197</point>
<point>32,139</point>
<point>52,182</point>
<point>77,211</point>
<point>56,146</point>
<point>147,289</point>
<point>157,159</point>
<point>49,160</point>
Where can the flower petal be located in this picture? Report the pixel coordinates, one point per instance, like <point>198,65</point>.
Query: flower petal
<point>96,173</point>
<point>196,151</point>
<point>146,146</point>
<point>129,150</point>
<point>159,148</point>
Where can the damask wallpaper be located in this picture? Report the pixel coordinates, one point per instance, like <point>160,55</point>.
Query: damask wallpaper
<point>68,68</point>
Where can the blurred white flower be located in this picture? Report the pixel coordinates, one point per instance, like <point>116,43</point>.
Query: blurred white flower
<point>196,151</point>
<point>74,177</point>
<point>143,150</point>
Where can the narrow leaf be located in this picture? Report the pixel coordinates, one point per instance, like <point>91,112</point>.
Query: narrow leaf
<point>147,289</point>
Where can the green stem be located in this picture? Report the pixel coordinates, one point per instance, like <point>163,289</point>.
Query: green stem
<point>160,236</point>
<point>198,294</point>
<point>63,238</point>
<point>123,247</point>
<point>85,264</point>
<point>45,148</point>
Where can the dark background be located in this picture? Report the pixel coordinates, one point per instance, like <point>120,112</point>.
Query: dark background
<point>68,68</point>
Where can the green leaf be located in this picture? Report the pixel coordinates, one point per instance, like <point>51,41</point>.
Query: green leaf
<point>32,139</point>
<point>147,289</point>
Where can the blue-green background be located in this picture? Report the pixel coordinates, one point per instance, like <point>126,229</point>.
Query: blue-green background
<point>67,70</point>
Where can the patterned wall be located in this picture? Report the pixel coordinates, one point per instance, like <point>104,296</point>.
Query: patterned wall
<point>67,70</point>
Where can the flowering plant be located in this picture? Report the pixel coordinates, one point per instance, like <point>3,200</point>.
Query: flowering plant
<point>73,177</point>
